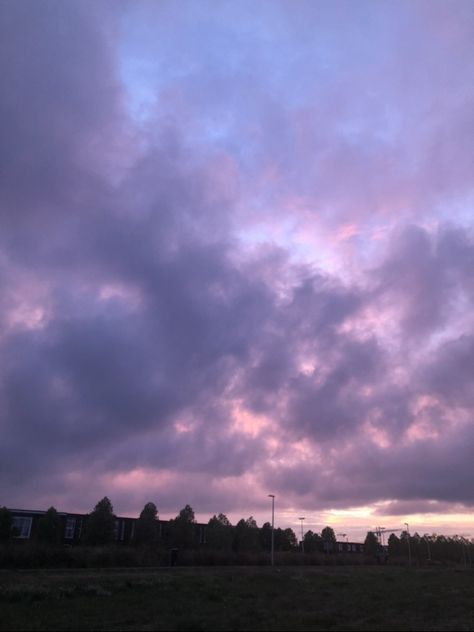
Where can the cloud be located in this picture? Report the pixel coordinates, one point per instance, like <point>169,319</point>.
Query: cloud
<point>426,277</point>
<point>408,507</point>
<point>152,340</point>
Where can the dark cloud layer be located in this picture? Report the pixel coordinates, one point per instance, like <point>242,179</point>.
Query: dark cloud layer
<point>149,350</point>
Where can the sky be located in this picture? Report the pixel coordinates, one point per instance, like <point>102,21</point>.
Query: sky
<point>237,259</point>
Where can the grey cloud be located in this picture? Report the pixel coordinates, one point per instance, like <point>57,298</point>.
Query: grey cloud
<point>426,277</point>
<point>333,405</point>
<point>403,508</point>
<point>450,373</point>
<point>363,473</point>
<point>59,102</point>
<point>154,316</point>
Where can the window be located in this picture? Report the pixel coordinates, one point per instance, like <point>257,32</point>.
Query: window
<point>22,527</point>
<point>70,528</point>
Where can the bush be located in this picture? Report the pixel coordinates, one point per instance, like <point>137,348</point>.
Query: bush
<point>40,555</point>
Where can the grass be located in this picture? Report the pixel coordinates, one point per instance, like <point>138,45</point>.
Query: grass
<point>291,598</point>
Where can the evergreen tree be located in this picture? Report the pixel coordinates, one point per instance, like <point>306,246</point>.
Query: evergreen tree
<point>371,544</point>
<point>182,529</point>
<point>146,527</point>
<point>50,527</point>
<point>101,523</point>
<point>329,539</point>
<point>393,545</point>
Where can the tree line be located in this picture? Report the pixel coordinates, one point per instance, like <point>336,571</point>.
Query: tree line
<point>219,535</point>
<point>421,549</point>
<point>179,532</point>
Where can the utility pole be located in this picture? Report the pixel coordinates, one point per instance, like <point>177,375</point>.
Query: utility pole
<point>302,538</point>
<point>272,496</point>
<point>426,538</point>
<point>409,547</point>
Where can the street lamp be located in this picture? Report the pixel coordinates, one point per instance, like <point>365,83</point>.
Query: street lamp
<point>302,539</point>
<point>427,540</point>
<point>409,547</point>
<point>272,496</point>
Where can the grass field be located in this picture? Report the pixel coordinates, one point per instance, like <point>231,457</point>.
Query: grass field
<point>302,598</point>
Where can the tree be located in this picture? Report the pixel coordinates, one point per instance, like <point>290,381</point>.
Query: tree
<point>371,544</point>
<point>266,536</point>
<point>285,539</point>
<point>246,537</point>
<point>146,527</point>
<point>182,528</point>
<point>50,527</point>
<point>393,545</point>
<point>406,541</point>
<point>219,533</point>
<point>329,539</point>
<point>6,524</point>
<point>312,542</point>
<point>251,523</point>
<point>101,523</point>
<point>187,514</point>
<point>224,520</point>
<point>428,539</point>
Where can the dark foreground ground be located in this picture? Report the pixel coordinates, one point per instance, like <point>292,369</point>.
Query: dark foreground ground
<point>338,598</point>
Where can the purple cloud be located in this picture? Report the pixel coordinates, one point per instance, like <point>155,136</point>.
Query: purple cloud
<point>225,260</point>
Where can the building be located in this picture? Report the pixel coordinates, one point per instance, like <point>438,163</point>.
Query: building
<point>350,547</point>
<point>25,523</point>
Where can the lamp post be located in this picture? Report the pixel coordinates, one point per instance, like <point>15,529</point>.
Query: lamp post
<point>302,539</point>
<point>272,496</point>
<point>427,540</point>
<point>409,547</point>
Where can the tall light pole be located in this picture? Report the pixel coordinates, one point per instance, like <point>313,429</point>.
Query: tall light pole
<point>427,540</point>
<point>302,538</point>
<point>272,496</point>
<point>409,547</point>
